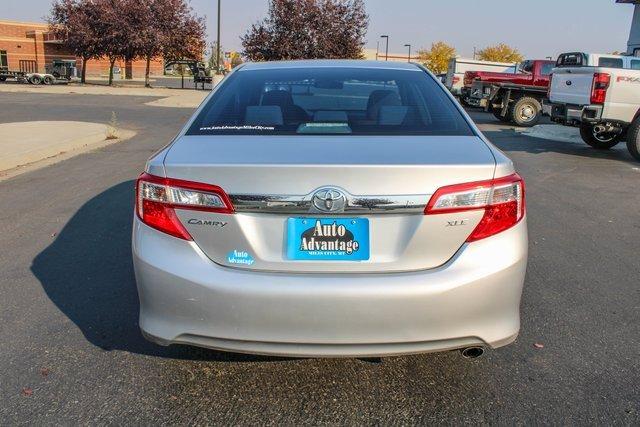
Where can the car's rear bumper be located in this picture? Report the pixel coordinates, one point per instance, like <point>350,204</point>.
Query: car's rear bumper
<point>572,114</point>
<point>474,299</point>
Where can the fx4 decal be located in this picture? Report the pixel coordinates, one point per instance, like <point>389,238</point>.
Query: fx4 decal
<point>626,79</point>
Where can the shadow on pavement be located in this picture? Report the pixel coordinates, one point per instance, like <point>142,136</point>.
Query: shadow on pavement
<point>511,141</point>
<point>87,273</point>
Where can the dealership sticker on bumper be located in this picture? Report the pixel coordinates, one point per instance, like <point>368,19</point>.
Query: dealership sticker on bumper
<point>328,239</point>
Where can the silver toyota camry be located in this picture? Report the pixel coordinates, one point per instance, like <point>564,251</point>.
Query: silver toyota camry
<point>330,208</point>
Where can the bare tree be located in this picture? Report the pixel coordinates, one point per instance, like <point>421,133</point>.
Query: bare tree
<point>307,29</point>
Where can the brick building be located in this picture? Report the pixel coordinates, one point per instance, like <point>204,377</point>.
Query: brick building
<point>28,46</point>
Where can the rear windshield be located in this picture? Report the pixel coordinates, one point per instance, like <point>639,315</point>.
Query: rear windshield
<point>610,63</point>
<point>328,100</point>
<point>575,59</point>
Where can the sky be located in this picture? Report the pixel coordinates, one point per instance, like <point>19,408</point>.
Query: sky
<point>538,28</point>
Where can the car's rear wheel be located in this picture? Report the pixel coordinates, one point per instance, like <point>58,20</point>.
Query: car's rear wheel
<point>35,80</point>
<point>525,111</point>
<point>597,139</point>
<point>633,139</point>
<point>2,79</point>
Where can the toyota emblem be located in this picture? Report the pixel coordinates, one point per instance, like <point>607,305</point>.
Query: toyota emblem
<point>329,200</point>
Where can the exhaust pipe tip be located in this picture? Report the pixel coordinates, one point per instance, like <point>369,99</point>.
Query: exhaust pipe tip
<point>472,352</point>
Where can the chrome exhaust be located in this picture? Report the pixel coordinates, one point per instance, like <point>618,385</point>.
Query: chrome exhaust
<point>599,129</point>
<point>472,352</point>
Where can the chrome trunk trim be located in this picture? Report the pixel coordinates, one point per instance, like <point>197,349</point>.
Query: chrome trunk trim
<point>302,204</point>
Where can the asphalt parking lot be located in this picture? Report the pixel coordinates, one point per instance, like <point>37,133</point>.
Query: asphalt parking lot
<point>71,351</point>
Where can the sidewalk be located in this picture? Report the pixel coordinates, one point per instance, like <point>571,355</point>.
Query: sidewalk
<point>25,146</point>
<point>175,98</point>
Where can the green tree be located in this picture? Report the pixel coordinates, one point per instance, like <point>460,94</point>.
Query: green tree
<point>500,53</point>
<point>437,58</point>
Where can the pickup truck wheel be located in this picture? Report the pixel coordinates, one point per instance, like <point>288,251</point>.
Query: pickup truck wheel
<point>600,141</point>
<point>633,139</point>
<point>525,112</point>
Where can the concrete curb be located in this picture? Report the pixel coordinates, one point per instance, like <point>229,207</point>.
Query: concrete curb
<point>27,146</point>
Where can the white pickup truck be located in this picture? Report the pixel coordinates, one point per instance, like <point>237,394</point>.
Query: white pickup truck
<point>599,95</point>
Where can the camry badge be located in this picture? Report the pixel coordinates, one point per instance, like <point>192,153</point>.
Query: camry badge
<point>329,200</point>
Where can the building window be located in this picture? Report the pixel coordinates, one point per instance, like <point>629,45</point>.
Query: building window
<point>4,63</point>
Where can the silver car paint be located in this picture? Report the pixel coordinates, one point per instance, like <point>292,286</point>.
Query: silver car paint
<point>417,248</point>
<point>473,299</point>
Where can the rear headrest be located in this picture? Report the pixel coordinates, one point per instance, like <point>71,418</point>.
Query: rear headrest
<point>330,116</point>
<point>264,115</point>
<point>392,115</point>
<point>378,98</point>
<point>277,97</point>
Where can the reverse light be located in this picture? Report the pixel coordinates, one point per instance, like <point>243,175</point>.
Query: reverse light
<point>599,87</point>
<point>157,198</point>
<point>502,200</point>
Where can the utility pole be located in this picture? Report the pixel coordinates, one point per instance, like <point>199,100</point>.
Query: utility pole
<point>218,42</point>
<point>386,48</point>
<point>377,48</point>
<point>409,57</point>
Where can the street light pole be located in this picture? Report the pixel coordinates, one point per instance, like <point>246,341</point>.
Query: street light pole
<point>218,42</point>
<point>409,46</point>
<point>386,48</point>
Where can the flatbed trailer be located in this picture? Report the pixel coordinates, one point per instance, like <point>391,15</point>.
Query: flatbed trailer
<point>5,74</point>
<point>58,72</point>
<point>509,100</point>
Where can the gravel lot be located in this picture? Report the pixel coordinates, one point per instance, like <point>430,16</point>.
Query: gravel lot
<point>71,351</point>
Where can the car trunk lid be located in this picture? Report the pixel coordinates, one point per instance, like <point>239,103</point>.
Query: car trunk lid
<point>386,181</point>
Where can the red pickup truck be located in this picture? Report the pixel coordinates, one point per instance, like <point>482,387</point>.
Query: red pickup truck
<point>511,97</point>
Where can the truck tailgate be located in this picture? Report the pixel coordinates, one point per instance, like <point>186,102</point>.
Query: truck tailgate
<point>571,86</point>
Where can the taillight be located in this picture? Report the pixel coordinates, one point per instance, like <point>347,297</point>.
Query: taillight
<point>599,88</point>
<point>502,200</point>
<point>157,198</point>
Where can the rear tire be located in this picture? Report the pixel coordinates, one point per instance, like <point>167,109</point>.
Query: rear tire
<point>598,142</point>
<point>525,112</point>
<point>3,79</point>
<point>633,139</point>
<point>497,113</point>
<point>35,80</point>
<point>48,80</point>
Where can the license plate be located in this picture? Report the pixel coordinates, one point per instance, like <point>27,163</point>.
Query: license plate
<point>328,239</point>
